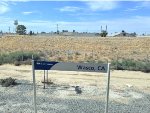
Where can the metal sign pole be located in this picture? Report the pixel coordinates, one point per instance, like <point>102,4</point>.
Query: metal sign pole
<point>34,87</point>
<point>69,66</point>
<point>44,79</point>
<point>47,76</point>
<point>107,94</point>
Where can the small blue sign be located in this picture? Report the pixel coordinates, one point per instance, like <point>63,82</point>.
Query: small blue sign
<point>43,65</point>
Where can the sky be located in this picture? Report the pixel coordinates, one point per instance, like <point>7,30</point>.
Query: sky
<point>79,15</point>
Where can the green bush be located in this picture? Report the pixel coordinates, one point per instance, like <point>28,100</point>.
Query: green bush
<point>146,68</point>
<point>103,33</point>
<point>129,64</point>
<point>18,58</point>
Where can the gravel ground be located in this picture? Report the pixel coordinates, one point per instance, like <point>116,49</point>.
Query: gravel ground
<point>63,99</point>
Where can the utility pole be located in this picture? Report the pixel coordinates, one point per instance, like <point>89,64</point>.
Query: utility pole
<point>9,29</point>
<point>57,29</point>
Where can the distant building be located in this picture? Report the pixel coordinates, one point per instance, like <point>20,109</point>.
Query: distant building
<point>64,31</point>
<point>125,34</point>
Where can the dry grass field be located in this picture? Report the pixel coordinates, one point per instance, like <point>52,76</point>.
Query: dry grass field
<point>129,90</point>
<point>79,48</point>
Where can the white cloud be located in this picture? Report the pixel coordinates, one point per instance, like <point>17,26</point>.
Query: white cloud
<point>140,5</point>
<point>71,0</point>
<point>27,13</point>
<point>4,7</point>
<point>31,12</point>
<point>79,14</point>
<point>145,4</point>
<point>102,5</point>
<point>19,0</point>
<point>69,9</point>
<point>133,9</point>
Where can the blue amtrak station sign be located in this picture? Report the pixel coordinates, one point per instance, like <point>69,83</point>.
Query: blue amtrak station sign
<point>43,65</point>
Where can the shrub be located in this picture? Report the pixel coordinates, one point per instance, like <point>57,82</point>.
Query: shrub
<point>77,53</point>
<point>7,82</point>
<point>17,63</point>
<point>129,64</point>
<point>103,33</point>
<point>70,57</point>
<point>17,58</point>
<point>60,58</point>
<point>146,68</point>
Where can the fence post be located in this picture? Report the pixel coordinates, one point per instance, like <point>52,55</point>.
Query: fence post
<point>47,76</point>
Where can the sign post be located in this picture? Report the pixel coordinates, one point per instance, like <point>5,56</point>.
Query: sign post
<point>47,76</point>
<point>69,66</point>
<point>34,87</point>
<point>44,80</point>
<point>107,93</point>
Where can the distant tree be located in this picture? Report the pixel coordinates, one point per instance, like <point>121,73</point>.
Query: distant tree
<point>123,33</point>
<point>30,33</point>
<point>134,34</point>
<point>64,30</point>
<point>103,33</point>
<point>21,30</point>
